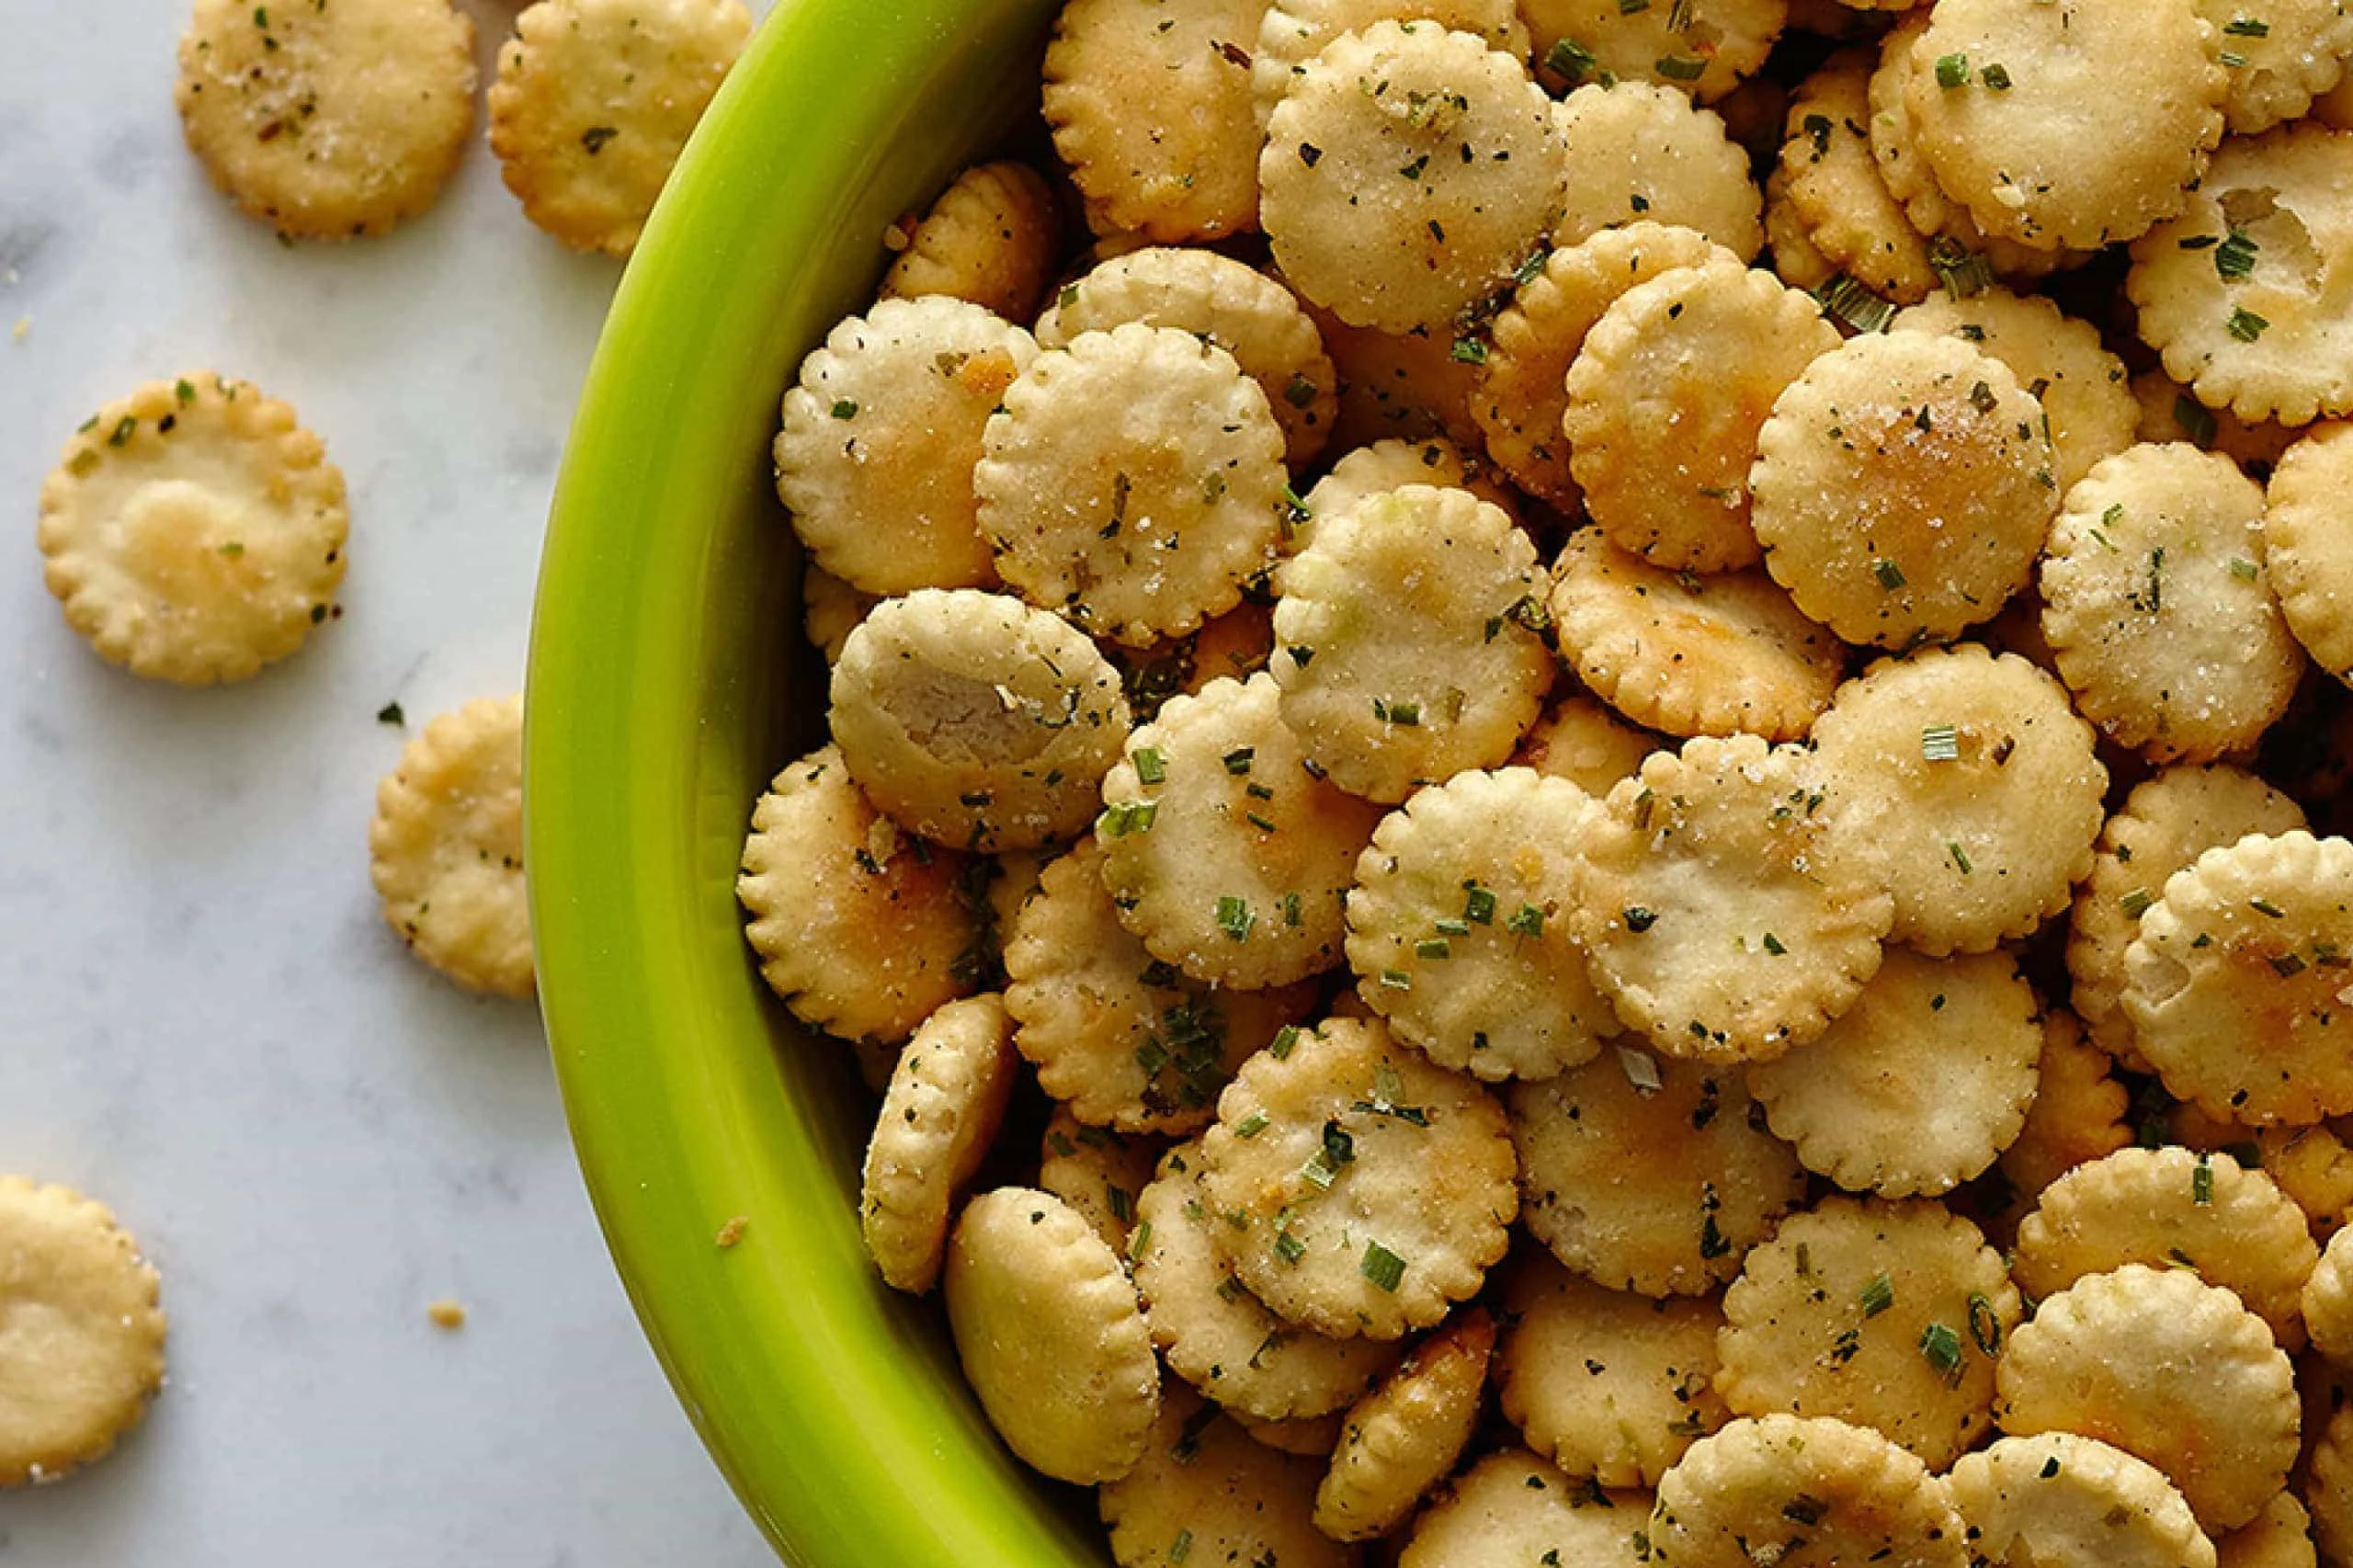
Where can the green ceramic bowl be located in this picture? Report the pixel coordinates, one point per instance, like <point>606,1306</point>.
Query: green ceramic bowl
<point>668,683</point>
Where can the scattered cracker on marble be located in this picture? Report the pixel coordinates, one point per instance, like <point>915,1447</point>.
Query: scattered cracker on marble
<point>81,1335</point>
<point>1920,1084</point>
<point>1238,308</point>
<point>1977,783</point>
<point>1405,1437</point>
<point>1721,655</point>
<point>1407,172</point>
<point>328,123</point>
<point>2170,1205</point>
<point>1133,482</point>
<point>1639,151</point>
<point>976,720</point>
<point>2260,327</point>
<point>1903,487</point>
<point>863,930</point>
<point>1665,400</point>
<point>194,532</point>
<point>445,850</point>
<point>880,432</point>
<point>992,238</point>
<point>2157,607</point>
<point>939,1114</point>
<point>1052,1336</point>
<point>1408,639</point>
<point>1512,1508</point>
<point>1186,169</point>
<point>1887,1315</point>
<point>1806,1492</point>
<point>593,101</point>
<point>2061,1501</point>
<point>1647,1174</point>
<point>2170,1369</point>
<point>1704,48</point>
<point>1724,921</point>
<point>1207,1493</point>
<point>2308,543</point>
<point>1605,1384</point>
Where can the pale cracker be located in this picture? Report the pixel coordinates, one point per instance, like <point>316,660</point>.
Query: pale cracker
<point>2280,54</point>
<point>1097,1172</point>
<point>194,532</point>
<point>2236,986</point>
<point>2078,1110</point>
<point>830,609</point>
<point>2163,827</point>
<point>2009,147</point>
<point>1647,1174</point>
<point>2058,360</point>
<point>1605,1384</point>
<point>1405,1437</point>
<point>1795,259</point>
<point>1723,920</point>
<point>2326,1301</point>
<point>328,122</point>
<point>874,458</point>
<point>1511,1508</point>
<point>2280,1537</point>
<point>1366,1189</point>
<point>2156,604</point>
<point>1442,939</point>
<point>2259,327</point>
<point>2328,1488</point>
<point>1206,1491</point>
<point>1901,489</point>
<point>1637,151</point>
<point>2060,1501</point>
<point>1664,404</point>
<point>2200,1212</point>
<point>1052,1336</point>
<point>1889,1315</point>
<point>863,930</point>
<point>1132,481</point>
<point>2315,1166</point>
<point>1523,367</point>
<point>445,850</point>
<point>1838,201</point>
<point>941,1112</point>
<point>1240,309</point>
<point>1407,171</point>
<point>1123,1039</point>
<point>993,238</point>
<point>2308,543</point>
<point>1215,1334</point>
<point>1977,782</point>
<point>1803,1493</point>
<point>1723,654</point>
<point>1391,464</point>
<point>1579,739</point>
<point>1236,644</point>
<point>976,720</point>
<point>1920,1084</point>
<point>2170,412</point>
<point>81,1337</point>
<point>1188,169</point>
<point>1407,646</point>
<point>1404,386</point>
<point>1703,48</point>
<point>1296,31</point>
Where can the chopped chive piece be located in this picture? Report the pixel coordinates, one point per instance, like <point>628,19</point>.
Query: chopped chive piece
<point>1526,921</point>
<point>2235,258</point>
<point>1571,58</point>
<point>1405,714</point>
<point>1995,77</point>
<point>1141,1239</point>
<point>184,389</point>
<point>1300,392</point>
<point>1287,1247</point>
<point>1469,351</point>
<point>1383,1268</point>
<point>2246,325</point>
<point>1984,1323</point>
<point>1960,856</point>
<point>2136,902</point>
<point>124,429</point>
<point>1181,1548</point>
<point>1150,767</point>
<point>2242,568</point>
<point>1251,1126</point>
<point>2196,420</point>
<point>1877,1296</point>
<point>1286,1039</point>
<point>1452,927</point>
<point>2248,27</point>
<point>1961,272</point>
<point>1940,742</point>
<point>1479,905</point>
<point>1234,918</point>
<point>846,408</point>
<point>1433,948</point>
<point>1261,823</point>
<point>1952,71</point>
<point>2264,906</point>
<point>1681,68</point>
<point>2202,1182</point>
<point>1125,817</point>
<point>2233,59</point>
<point>1941,1346</point>
<point>1396,980</point>
<point>1237,761</point>
<point>1854,304</point>
<point>1289,906</point>
<point>1889,576</point>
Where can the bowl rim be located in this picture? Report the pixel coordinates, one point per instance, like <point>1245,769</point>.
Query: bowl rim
<point>671,1058</point>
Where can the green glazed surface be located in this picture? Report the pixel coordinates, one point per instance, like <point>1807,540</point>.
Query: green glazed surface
<point>668,683</point>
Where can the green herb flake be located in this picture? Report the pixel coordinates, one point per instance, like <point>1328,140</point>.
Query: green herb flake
<point>2135,903</point>
<point>1383,1268</point>
<point>1286,1040</point>
<point>1569,59</point>
<point>1433,948</point>
<point>2266,907</point>
<point>2202,1182</point>
<point>1985,1325</point>
<point>1234,918</point>
<point>1940,742</point>
<point>1479,906</point>
<point>1995,77</point>
<point>1877,1296</point>
<point>1941,1348</point>
<point>1773,945</point>
<point>1469,351</point>
<point>1952,71</point>
<point>123,430</point>
<point>1181,1548</point>
<point>1237,761</point>
<point>1960,856</point>
<point>185,390</point>
<point>2247,26</point>
<point>1151,768</point>
<point>2194,419</point>
<point>2246,325</point>
<point>1681,68</point>
<point>390,713</point>
<point>1287,1247</point>
<point>1637,918</point>
<point>846,408</point>
<point>2235,258</point>
<point>1526,921</point>
<point>1889,576</point>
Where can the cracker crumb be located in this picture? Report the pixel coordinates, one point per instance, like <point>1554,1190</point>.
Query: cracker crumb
<point>447,1314</point>
<point>732,1232</point>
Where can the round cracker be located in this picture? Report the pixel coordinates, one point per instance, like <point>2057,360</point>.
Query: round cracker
<point>945,1102</point>
<point>445,850</point>
<point>1637,152</point>
<point>1236,644</point>
<point>1978,784</point>
<point>1405,1437</point>
<point>1407,641</point>
<point>593,102</point>
<point>1580,740</point>
<point>1723,921</point>
<point>1664,401</point>
<point>992,238</point>
<point>1703,48</point>
<point>1295,31</point>
<point>328,122</point>
<point>1408,170</point>
<point>1132,481</point>
<point>2170,1369</point>
<point>2155,605</point>
<point>1207,1492</point>
<point>2281,56</point>
<point>2078,1110</point>
<point>1648,1175</point>
<point>2308,544</point>
<point>1807,1492</point>
<point>1838,203</point>
<point>2061,1501</point>
<point>81,1337</point>
<point>2170,412</point>
<point>2328,1487</point>
<point>2280,1537</point>
<point>1903,487</point>
<point>1793,256</point>
<point>1052,1336</point>
<point>194,532</point>
<point>1391,464</point>
<point>830,609</point>
<point>1513,1508</point>
<point>1408,386</point>
<point>1098,1172</point>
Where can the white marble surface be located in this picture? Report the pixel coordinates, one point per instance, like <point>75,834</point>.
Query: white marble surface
<point>202,1019</point>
